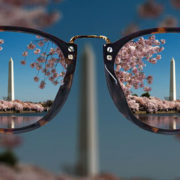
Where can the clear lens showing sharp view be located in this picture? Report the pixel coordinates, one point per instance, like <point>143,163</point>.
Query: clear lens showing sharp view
<point>32,69</point>
<point>148,71</point>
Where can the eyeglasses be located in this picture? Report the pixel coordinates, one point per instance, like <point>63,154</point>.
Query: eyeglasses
<point>37,70</point>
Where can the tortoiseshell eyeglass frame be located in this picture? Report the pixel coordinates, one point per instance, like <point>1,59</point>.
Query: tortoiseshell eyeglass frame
<point>114,87</point>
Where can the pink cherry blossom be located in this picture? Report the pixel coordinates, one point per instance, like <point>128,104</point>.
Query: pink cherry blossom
<point>25,53</point>
<point>131,60</point>
<point>55,82</point>
<point>48,66</point>
<point>47,73</point>
<point>44,70</point>
<point>147,89</point>
<point>163,41</point>
<point>41,59</point>
<point>36,79</point>
<point>149,79</point>
<point>1,41</point>
<point>53,70</point>
<point>55,75</point>
<point>152,104</point>
<point>62,74</point>
<point>23,62</point>
<point>51,78</point>
<point>52,51</point>
<point>31,46</point>
<point>38,66</point>
<point>40,43</point>
<point>32,65</point>
<point>37,51</point>
<point>43,54</point>
<point>42,85</point>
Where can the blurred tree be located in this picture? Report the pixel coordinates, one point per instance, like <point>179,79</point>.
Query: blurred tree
<point>28,13</point>
<point>8,158</point>
<point>146,94</point>
<point>9,142</point>
<point>134,95</point>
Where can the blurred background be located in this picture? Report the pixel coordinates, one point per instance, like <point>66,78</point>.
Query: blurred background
<point>124,151</point>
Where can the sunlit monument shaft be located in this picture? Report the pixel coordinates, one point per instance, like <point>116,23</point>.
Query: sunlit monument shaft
<point>87,152</point>
<point>11,80</point>
<point>172,95</point>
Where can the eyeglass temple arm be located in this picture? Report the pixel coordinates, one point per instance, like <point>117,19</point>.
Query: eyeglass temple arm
<point>90,36</point>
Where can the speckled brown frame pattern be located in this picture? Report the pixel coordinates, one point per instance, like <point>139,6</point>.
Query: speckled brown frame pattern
<point>114,87</point>
<point>63,90</point>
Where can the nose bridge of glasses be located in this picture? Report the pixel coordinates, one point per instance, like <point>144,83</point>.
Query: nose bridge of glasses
<point>90,36</point>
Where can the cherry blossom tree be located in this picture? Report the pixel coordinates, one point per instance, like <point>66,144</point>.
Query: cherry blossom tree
<point>20,106</point>
<point>152,104</point>
<point>47,63</point>
<point>132,59</point>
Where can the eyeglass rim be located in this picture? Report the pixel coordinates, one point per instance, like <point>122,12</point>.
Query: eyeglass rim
<point>63,89</point>
<point>70,73</point>
<point>110,64</point>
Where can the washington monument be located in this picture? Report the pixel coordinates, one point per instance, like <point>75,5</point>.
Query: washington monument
<point>172,92</point>
<point>87,164</point>
<point>11,80</point>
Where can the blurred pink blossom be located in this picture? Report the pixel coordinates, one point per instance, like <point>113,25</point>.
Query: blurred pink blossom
<point>10,141</point>
<point>36,79</point>
<point>32,13</point>
<point>175,3</point>
<point>131,28</point>
<point>1,41</point>
<point>169,21</point>
<point>150,9</point>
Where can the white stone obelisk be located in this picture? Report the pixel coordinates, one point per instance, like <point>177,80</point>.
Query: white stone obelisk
<point>11,80</point>
<point>172,92</point>
<point>87,148</point>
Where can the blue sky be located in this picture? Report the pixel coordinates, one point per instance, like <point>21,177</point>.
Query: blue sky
<point>25,88</point>
<point>124,149</point>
